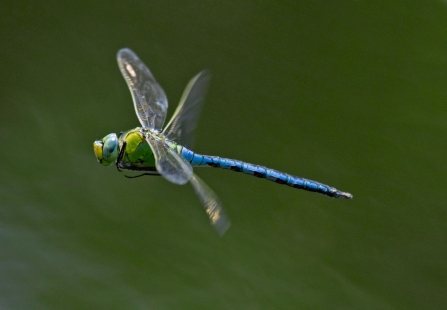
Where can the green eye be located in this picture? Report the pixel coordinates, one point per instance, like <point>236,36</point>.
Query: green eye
<point>106,150</point>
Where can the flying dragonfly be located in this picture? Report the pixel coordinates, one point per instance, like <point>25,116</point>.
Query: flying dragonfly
<point>152,150</point>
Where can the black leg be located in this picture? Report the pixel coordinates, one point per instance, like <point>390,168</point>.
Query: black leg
<point>120,156</point>
<point>140,175</point>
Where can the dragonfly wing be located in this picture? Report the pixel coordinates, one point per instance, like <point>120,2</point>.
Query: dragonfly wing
<point>149,98</point>
<point>184,120</point>
<point>212,205</point>
<point>168,162</point>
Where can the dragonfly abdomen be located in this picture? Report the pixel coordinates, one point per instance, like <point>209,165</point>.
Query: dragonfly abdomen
<point>262,172</point>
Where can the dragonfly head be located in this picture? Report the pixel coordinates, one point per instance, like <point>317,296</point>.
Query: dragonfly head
<point>106,150</point>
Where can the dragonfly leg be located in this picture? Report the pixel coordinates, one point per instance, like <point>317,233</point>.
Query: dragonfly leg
<point>120,156</point>
<point>140,175</point>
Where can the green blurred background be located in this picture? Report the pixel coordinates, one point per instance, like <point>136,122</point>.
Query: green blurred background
<point>348,93</point>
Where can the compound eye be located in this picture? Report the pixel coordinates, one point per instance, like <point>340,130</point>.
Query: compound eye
<point>110,148</point>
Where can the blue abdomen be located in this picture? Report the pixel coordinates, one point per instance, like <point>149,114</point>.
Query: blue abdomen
<point>279,177</point>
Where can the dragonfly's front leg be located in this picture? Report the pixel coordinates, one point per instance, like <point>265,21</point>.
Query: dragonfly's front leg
<point>120,156</point>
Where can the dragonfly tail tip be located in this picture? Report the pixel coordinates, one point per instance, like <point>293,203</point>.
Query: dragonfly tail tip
<point>346,195</point>
<point>340,194</point>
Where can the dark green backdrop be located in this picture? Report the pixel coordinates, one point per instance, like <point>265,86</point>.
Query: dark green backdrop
<point>349,93</point>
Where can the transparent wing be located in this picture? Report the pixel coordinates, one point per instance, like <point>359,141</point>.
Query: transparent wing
<point>184,120</point>
<point>149,98</point>
<point>212,205</point>
<point>169,164</point>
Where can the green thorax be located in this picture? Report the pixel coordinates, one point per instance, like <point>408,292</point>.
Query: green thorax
<point>137,151</point>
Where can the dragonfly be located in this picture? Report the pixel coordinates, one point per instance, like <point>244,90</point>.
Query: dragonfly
<point>152,149</point>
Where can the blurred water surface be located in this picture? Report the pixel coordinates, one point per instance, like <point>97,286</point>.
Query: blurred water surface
<point>349,93</point>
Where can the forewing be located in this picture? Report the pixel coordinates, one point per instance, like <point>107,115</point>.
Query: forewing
<point>184,121</point>
<point>168,162</point>
<point>212,205</point>
<point>149,98</point>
